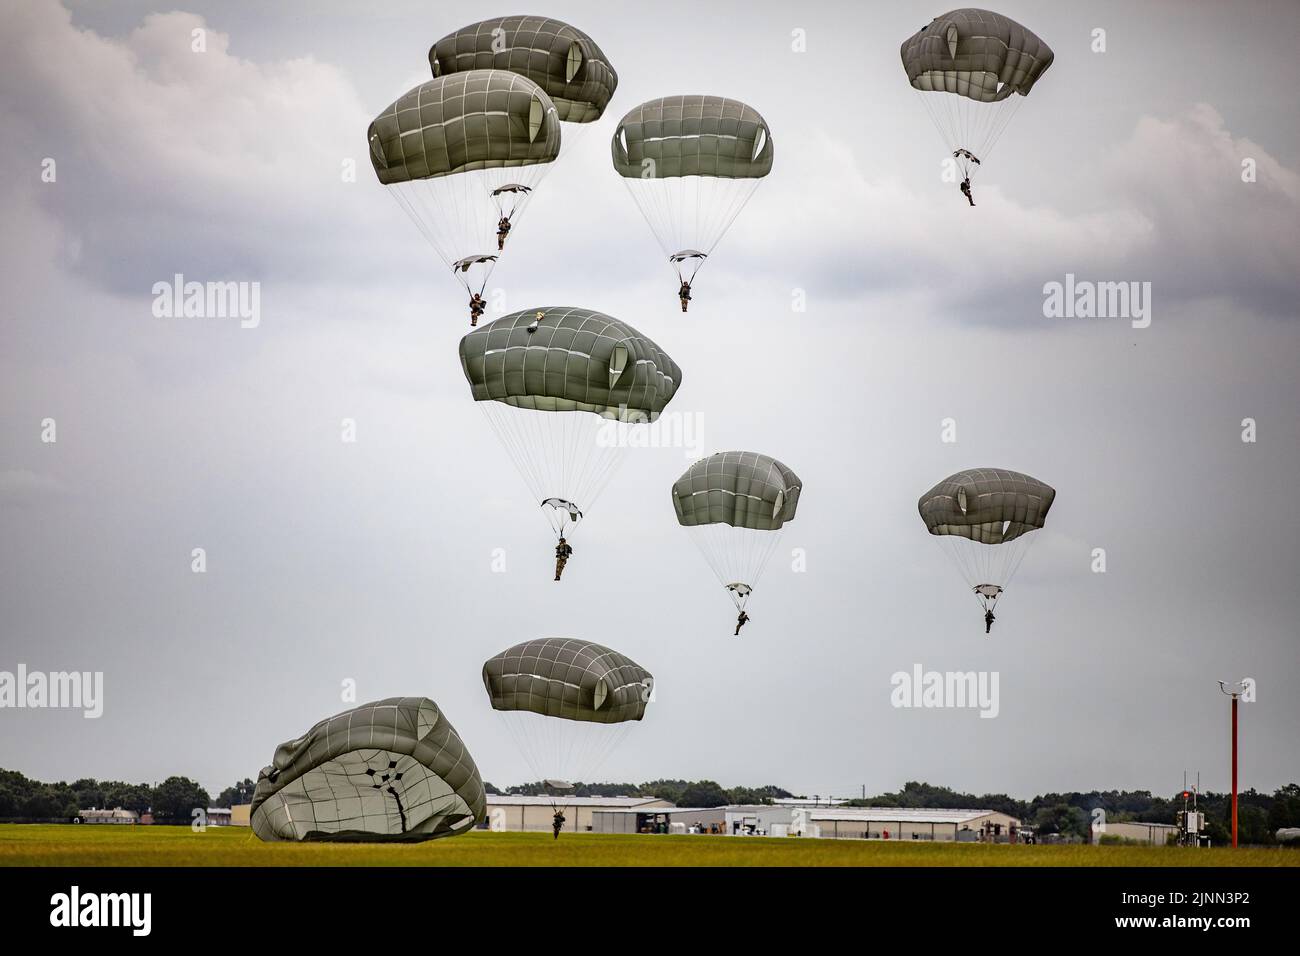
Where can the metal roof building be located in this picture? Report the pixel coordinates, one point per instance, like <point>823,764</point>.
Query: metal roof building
<point>513,812</point>
<point>872,823</point>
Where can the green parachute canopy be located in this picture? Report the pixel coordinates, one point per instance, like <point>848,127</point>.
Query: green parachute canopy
<point>392,770</point>
<point>552,382</point>
<point>559,58</point>
<point>968,66</point>
<point>568,703</point>
<point>988,505</point>
<point>691,164</point>
<point>742,489</point>
<point>693,136</point>
<point>459,154</point>
<point>573,360</point>
<point>735,504</point>
<point>983,517</point>
<point>482,119</point>
<point>569,679</point>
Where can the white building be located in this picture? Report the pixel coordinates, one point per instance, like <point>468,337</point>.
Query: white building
<point>669,819</point>
<point>117,815</point>
<point>510,812</point>
<point>1157,834</point>
<point>871,823</point>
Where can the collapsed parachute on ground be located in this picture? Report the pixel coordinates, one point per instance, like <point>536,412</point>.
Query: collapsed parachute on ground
<point>559,58</point>
<point>691,163</point>
<point>567,702</point>
<point>460,153</point>
<point>735,505</point>
<point>393,770</point>
<point>972,69</point>
<point>984,516</point>
<point>553,382</point>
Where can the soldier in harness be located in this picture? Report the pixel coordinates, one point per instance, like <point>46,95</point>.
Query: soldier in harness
<point>741,621</point>
<point>563,551</point>
<point>503,230</point>
<point>476,308</point>
<point>557,823</point>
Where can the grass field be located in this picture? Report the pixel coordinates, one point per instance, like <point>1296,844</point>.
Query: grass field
<point>68,845</point>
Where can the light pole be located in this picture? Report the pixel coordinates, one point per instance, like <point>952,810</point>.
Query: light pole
<point>1235,694</point>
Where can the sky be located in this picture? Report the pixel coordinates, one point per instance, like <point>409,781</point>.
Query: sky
<point>375,564</point>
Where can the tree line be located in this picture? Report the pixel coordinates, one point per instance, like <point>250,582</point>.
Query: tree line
<point>1259,815</point>
<point>172,801</point>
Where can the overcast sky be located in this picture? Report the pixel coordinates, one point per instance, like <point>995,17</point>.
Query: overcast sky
<point>372,561</point>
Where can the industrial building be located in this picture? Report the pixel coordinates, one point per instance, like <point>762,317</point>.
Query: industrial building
<point>652,815</point>
<point>667,819</point>
<point>872,823</point>
<point>114,816</point>
<point>514,813</point>
<point>1157,834</point>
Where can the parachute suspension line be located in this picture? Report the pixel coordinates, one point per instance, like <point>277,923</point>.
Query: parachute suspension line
<point>993,564</point>
<point>736,555</point>
<point>557,454</point>
<point>559,748</point>
<point>457,214</point>
<point>969,124</point>
<point>690,212</point>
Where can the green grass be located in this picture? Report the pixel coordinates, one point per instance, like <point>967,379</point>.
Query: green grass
<point>69,845</point>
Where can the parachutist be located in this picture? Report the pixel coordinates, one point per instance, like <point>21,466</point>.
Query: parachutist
<point>532,326</point>
<point>741,622</point>
<point>557,823</point>
<point>965,189</point>
<point>503,230</point>
<point>563,551</point>
<point>988,621</point>
<point>476,308</point>
<point>684,293</point>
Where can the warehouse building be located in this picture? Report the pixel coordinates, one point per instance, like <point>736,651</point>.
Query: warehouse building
<point>1157,834</point>
<point>114,816</point>
<point>872,823</point>
<point>901,823</point>
<point>668,819</point>
<point>515,813</point>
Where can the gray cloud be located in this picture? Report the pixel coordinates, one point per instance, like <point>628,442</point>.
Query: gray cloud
<point>372,561</point>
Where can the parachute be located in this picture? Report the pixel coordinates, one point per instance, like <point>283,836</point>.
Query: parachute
<point>459,153</point>
<point>735,505</point>
<point>984,517</point>
<point>568,703</point>
<point>968,67</point>
<point>561,59</point>
<point>691,163</point>
<point>392,770</point>
<point>550,381</point>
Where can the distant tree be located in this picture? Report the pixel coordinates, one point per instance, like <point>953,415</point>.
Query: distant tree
<point>50,802</point>
<point>88,794</point>
<point>756,795</point>
<point>704,793</point>
<point>241,792</point>
<point>1285,811</point>
<point>175,799</point>
<point>128,796</point>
